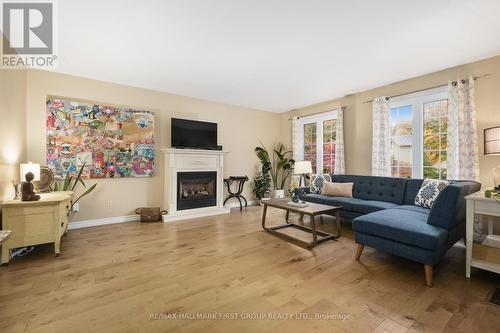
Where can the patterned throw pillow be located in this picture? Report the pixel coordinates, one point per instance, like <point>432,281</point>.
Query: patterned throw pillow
<point>429,191</point>
<point>317,182</point>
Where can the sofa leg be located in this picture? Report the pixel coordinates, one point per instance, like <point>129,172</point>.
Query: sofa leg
<point>428,275</point>
<point>359,250</point>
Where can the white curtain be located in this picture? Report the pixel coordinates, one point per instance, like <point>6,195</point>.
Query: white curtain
<point>339,146</point>
<point>295,138</point>
<point>462,154</point>
<point>381,143</point>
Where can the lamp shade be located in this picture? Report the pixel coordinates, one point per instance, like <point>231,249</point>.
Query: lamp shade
<point>30,167</point>
<point>492,141</point>
<point>302,167</point>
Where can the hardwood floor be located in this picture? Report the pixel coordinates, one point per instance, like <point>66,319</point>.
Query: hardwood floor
<point>130,277</point>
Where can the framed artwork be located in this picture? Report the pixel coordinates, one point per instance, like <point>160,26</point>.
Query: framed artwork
<point>112,142</point>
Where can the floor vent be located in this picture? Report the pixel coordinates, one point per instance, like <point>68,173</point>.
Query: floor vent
<point>495,297</point>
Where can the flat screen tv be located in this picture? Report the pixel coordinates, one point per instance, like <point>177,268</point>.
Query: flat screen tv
<point>193,134</point>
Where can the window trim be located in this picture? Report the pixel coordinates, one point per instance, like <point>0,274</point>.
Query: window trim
<point>318,119</point>
<point>417,101</point>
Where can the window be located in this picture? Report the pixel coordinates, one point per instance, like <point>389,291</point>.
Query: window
<point>418,134</point>
<point>318,135</point>
<point>401,141</point>
<point>435,139</point>
<point>329,141</point>
<point>310,145</point>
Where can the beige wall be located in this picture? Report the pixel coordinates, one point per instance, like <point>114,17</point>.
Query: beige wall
<point>358,116</point>
<point>12,128</point>
<point>22,129</point>
<point>240,130</point>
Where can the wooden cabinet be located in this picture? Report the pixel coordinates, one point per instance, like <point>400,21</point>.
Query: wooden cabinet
<point>35,222</point>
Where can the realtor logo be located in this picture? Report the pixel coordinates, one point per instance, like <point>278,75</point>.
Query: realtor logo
<point>28,34</point>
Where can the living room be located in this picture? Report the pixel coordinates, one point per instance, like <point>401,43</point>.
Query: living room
<point>257,166</point>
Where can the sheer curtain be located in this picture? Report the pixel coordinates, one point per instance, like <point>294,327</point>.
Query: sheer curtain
<point>462,159</point>
<point>295,138</point>
<point>339,145</point>
<point>381,143</point>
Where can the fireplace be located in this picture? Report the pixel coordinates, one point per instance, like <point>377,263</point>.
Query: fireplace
<point>196,189</point>
<point>197,172</point>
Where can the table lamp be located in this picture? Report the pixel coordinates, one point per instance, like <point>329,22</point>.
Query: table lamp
<point>29,167</point>
<point>492,147</point>
<point>302,168</point>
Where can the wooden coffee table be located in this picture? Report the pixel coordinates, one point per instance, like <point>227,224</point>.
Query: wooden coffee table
<point>312,210</point>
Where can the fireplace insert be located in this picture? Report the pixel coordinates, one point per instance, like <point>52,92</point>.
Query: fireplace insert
<point>196,190</point>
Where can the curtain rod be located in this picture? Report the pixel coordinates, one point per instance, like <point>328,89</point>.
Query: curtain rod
<point>319,112</point>
<point>441,85</point>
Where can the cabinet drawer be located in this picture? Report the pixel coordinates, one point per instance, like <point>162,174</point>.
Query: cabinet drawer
<point>31,229</point>
<point>18,211</point>
<point>196,162</point>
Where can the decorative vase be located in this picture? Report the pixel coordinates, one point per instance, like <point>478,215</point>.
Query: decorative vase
<point>278,194</point>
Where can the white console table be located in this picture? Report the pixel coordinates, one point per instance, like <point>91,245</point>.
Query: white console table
<point>477,203</point>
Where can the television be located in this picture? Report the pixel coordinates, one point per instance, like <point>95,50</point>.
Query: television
<point>193,134</point>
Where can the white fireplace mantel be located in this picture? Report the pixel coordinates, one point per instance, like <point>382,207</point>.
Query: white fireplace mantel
<point>186,160</point>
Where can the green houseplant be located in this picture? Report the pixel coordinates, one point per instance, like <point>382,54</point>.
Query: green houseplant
<point>262,183</point>
<point>70,183</point>
<point>279,167</point>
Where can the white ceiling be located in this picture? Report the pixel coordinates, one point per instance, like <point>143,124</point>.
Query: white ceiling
<point>272,55</point>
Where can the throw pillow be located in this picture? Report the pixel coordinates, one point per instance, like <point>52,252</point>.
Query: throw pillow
<point>317,182</point>
<point>337,189</point>
<point>429,191</point>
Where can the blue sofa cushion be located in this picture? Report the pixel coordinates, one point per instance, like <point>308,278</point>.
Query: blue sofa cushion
<point>418,254</point>
<point>345,202</point>
<point>370,206</point>
<point>386,189</point>
<point>412,188</point>
<point>413,208</point>
<point>448,209</point>
<point>409,227</point>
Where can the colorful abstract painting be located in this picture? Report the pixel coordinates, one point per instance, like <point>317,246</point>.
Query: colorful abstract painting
<point>113,142</point>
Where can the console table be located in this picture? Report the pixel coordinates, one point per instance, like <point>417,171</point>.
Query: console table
<point>35,222</point>
<point>487,258</point>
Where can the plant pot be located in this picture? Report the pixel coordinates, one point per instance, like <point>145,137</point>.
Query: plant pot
<point>278,194</point>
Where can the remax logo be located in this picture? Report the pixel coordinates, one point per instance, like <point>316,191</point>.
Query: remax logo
<point>28,34</point>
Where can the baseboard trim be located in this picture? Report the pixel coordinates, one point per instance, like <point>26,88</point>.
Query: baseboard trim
<point>183,216</point>
<point>104,221</point>
<point>237,204</point>
<point>131,218</point>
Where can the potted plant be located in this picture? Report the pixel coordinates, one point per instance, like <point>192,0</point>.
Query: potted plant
<point>279,167</point>
<point>70,184</point>
<point>262,183</point>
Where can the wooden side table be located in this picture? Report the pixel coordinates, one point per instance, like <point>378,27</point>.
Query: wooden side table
<point>35,222</point>
<point>477,203</point>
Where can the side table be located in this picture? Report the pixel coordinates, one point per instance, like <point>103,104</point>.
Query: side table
<point>477,203</point>
<point>240,182</point>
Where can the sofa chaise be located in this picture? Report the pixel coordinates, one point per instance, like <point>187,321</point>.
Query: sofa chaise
<point>384,216</point>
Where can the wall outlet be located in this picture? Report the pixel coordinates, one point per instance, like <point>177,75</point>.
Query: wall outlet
<point>109,204</point>
<point>76,207</point>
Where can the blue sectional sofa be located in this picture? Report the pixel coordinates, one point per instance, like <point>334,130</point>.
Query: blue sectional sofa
<point>384,216</point>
